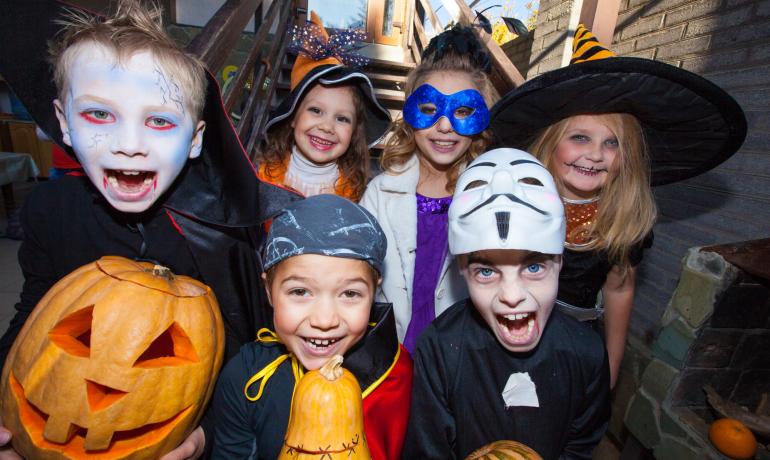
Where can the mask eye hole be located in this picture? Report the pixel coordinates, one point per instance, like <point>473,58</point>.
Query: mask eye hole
<point>464,112</point>
<point>427,109</point>
<point>530,181</point>
<point>475,184</point>
<point>172,348</point>
<point>73,332</point>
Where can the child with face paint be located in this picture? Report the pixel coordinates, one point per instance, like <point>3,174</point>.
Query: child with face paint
<point>504,364</point>
<point>323,259</point>
<point>318,139</point>
<point>607,128</point>
<point>132,107</point>
<point>443,127</point>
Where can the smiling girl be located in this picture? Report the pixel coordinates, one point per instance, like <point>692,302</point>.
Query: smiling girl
<point>443,128</point>
<point>318,139</point>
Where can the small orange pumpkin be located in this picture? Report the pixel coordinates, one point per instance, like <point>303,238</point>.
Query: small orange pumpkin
<point>504,450</point>
<point>117,360</point>
<point>733,439</point>
<point>327,418</point>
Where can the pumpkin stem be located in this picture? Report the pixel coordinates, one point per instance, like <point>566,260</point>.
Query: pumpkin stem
<point>165,272</point>
<point>332,370</point>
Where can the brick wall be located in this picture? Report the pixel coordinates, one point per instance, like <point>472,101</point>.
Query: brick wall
<point>519,51</point>
<point>728,42</point>
<point>549,35</point>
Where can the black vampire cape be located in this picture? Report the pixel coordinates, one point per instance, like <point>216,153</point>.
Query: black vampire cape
<point>216,204</point>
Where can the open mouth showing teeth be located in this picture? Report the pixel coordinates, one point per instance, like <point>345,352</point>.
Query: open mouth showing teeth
<point>518,328</point>
<point>129,181</point>
<point>588,171</point>
<point>320,344</point>
<point>445,144</point>
<point>321,142</point>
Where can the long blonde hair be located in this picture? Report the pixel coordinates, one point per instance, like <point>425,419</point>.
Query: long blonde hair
<point>401,144</point>
<point>627,208</point>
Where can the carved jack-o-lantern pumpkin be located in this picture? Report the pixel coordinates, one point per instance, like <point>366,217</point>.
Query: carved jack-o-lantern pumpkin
<point>504,450</point>
<point>117,360</point>
<point>327,418</point>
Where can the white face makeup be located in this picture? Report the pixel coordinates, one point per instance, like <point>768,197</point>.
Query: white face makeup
<point>506,199</point>
<point>514,291</point>
<point>129,124</point>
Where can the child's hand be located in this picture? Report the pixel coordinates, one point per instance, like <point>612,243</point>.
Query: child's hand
<point>191,448</point>
<point>6,453</point>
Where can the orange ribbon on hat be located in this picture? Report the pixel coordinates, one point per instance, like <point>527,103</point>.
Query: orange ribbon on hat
<point>304,64</point>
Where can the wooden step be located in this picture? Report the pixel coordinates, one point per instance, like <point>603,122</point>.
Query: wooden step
<point>389,95</point>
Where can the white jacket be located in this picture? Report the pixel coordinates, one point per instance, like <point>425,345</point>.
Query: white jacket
<point>391,198</point>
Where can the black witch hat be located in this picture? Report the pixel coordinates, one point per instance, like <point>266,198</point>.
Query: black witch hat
<point>219,187</point>
<point>690,124</point>
<point>320,60</point>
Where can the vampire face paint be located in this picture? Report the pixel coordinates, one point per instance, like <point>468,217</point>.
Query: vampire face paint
<point>129,124</point>
<point>514,292</point>
<point>466,110</point>
<point>506,199</point>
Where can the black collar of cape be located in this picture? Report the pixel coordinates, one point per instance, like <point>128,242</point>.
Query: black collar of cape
<point>373,356</point>
<point>220,187</point>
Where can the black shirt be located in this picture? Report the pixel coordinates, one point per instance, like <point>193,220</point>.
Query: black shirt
<point>460,371</point>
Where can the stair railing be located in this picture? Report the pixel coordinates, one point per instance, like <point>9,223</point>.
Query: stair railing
<point>505,75</point>
<point>217,40</point>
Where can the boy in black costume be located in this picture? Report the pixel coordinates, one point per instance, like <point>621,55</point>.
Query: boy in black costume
<point>134,107</point>
<point>503,365</point>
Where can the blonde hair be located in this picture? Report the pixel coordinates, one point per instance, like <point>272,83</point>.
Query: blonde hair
<point>627,208</point>
<point>131,29</point>
<point>401,144</point>
<point>353,164</point>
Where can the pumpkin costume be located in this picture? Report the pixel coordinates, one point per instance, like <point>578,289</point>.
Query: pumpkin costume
<point>246,429</point>
<point>203,226</point>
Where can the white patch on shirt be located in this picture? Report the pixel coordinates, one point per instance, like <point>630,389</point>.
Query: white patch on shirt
<point>520,391</point>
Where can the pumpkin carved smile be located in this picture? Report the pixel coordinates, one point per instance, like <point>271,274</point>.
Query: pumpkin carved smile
<point>117,361</point>
<point>119,444</point>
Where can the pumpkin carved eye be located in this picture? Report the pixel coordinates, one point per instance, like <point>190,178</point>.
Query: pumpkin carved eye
<point>172,348</point>
<point>73,333</point>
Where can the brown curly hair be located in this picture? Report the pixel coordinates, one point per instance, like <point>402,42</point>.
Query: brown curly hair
<point>353,164</point>
<point>401,145</point>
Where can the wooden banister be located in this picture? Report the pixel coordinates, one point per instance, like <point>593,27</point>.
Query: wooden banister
<point>262,65</point>
<point>505,76</point>
<point>233,92</point>
<point>220,34</point>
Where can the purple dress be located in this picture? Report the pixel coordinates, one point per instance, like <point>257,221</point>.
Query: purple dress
<point>429,258</point>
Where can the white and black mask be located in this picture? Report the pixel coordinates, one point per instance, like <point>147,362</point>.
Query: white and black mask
<point>506,199</point>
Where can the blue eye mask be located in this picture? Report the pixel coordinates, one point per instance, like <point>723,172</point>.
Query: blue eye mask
<point>465,110</point>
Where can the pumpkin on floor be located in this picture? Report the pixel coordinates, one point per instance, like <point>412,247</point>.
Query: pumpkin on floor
<point>504,450</point>
<point>327,417</point>
<point>118,360</point>
<point>733,438</point>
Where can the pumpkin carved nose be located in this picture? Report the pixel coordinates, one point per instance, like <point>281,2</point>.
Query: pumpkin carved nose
<point>101,396</point>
